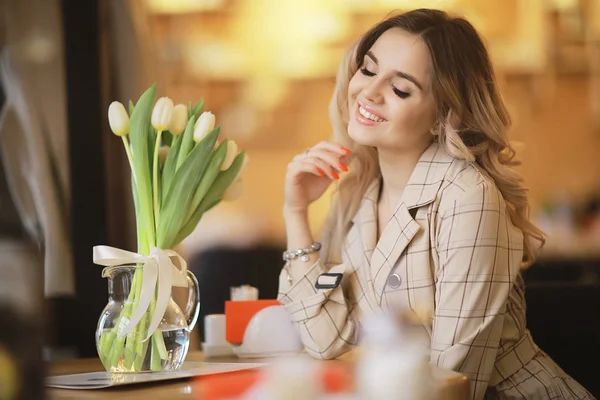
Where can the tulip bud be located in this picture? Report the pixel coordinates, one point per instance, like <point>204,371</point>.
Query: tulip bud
<point>179,119</point>
<point>232,151</point>
<point>204,125</point>
<point>118,119</point>
<point>162,113</point>
<point>234,191</point>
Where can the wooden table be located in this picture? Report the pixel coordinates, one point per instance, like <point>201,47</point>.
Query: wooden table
<point>457,385</point>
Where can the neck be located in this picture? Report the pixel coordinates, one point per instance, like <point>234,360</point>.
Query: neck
<point>396,168</point>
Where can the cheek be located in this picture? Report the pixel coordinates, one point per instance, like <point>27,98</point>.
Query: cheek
<point>354,87</point>
<point>414,118</point>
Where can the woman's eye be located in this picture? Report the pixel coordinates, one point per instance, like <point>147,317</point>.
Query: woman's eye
<point>401,94</point>
<point>366,72</point>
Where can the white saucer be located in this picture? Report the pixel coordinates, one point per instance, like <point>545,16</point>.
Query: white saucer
<point>241,352</point>
<point>223,350</point>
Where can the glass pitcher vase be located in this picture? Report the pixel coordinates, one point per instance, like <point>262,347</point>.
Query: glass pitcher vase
<point>166,349</point>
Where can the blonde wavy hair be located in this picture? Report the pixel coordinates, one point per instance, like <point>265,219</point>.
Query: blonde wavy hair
<point>472,121</point>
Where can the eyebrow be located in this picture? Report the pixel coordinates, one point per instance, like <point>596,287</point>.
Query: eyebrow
<point>400,74</point>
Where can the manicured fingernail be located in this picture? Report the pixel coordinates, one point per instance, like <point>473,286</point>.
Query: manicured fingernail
<point>335,175</point>
<point>343,167</point>
<point>345,150</point>
<point>321,172</point>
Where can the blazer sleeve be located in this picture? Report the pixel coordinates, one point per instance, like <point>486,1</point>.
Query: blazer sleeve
<point>480,253</point>
<point>322,316</point>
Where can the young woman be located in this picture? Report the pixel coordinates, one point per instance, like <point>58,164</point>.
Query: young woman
<point>430,215</point>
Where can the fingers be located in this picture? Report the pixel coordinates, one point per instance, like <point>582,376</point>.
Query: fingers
<point>323,167</point>
<point>324,159</point>
<point>331,159</point>
<point>332,153</point>
<point>297,168</point>
<point>332,147</point>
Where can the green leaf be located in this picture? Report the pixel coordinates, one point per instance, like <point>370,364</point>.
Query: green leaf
<point>151,142</point>
<point>169,167</point>
<point>213,197</point>
<point>223,181</point>
<point>141,144</point>
<point>209,176</point>
<point>212,205</point>
<point>167,138</point>
<point>181,190</point>
<point>197,110</point>
<point>131,107</point>
<point>136,207</point>
<point>187,142</point>
<point>190,110</point>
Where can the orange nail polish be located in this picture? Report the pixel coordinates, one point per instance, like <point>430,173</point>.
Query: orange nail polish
<point>335,175</point>
<point>321,172</point>
<point>343,167</point>
<point>345,150</point>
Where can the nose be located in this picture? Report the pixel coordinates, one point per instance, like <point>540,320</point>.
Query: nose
<point>372,92</point>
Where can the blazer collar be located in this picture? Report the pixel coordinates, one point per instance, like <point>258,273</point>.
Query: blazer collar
<point>422,186</point>
<point>421,189</point>
<point>426,178</point>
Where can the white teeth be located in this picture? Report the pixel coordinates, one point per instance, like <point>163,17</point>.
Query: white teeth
<point>368,115</point>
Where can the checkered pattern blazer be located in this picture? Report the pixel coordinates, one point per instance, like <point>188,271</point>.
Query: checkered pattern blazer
<point>449,249</point>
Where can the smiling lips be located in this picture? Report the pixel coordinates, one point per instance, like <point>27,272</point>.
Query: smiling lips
<point>365,117</point>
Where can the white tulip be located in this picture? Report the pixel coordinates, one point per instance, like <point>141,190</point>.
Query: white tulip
<point>234,191</point>
<point>232,152</point>
<point>179,119</point>
<point>118,119</point>
<point>204,125</point>
<point>162,113</point>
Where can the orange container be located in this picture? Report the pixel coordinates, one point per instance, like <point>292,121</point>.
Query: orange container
<point>239,313</point>
<point>335,378</point>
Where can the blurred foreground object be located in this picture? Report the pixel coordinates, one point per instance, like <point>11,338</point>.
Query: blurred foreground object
<point>21,336</point>
<point>33,134</point>
<point>395,361</point>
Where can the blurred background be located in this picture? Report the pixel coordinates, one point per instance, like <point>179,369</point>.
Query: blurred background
<point>267,68</point>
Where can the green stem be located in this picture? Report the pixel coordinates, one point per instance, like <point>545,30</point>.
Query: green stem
<point>159,342</point>
<point>140,357</point>
<point>155,181</point>
<point>141,334</point>
<point>131,337</point>
<point>129,157</point>
<point>109,341</point>
<point>117,352</point>
<point>106,344</point>
<point>141,347</point>
<point>155,363</point>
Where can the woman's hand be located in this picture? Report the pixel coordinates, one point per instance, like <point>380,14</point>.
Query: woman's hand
<point>310,174</point>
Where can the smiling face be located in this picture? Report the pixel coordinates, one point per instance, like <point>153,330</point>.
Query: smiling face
<point>390,98</point>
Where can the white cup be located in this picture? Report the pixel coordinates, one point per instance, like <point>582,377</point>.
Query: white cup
<point>214,330</point>
<point>270,333</point>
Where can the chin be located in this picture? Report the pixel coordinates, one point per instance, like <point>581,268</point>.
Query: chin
<point>361,135</point>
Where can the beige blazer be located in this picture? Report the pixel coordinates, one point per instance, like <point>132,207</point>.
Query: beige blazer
<point>450,250</point>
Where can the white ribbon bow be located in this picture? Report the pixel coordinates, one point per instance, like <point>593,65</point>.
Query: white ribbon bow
<point>157,267</point>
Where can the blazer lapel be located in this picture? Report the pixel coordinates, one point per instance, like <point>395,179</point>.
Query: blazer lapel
<point>366,219</point>
<point>397,234</point>
<point>421,189</point>
<point>364,231</point>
